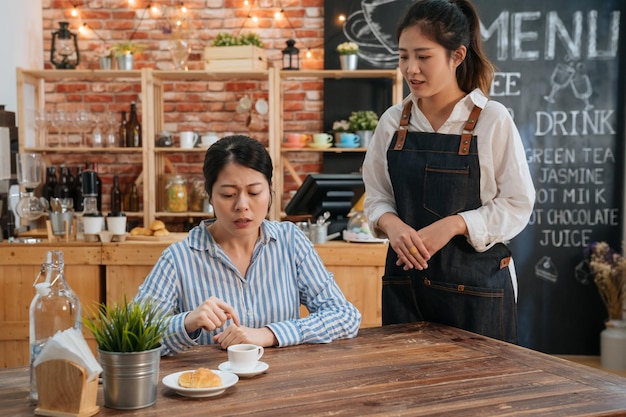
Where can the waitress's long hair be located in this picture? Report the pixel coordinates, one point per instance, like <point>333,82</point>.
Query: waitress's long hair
<point>452,23</point>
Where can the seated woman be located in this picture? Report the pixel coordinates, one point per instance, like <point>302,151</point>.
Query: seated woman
<point>242,278</point>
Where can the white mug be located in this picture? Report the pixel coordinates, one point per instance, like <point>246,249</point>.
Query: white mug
<point>209,139</point>
<point>244,357</point>
<point>188,140</point>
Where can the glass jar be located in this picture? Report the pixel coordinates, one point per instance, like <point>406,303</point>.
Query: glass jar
<point>176,195</point>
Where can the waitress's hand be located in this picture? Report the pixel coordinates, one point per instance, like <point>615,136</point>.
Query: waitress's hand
<point>210,315</point>
<point>436,235</point>
<point>405,241</point>
<point>234,335</point>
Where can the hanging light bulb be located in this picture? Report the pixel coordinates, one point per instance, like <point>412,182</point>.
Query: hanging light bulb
<point>341,17</point>
<point>279,14</point>
<point>74,12</point>
<point>246,3</point>
<point>308,53</point>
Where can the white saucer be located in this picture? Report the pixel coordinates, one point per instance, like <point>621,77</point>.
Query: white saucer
<point>228,380</point>
<point>259,369</point>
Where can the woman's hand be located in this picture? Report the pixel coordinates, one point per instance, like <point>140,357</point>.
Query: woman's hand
<point>405,241</point>
<point>234,335</point>
<point>210,315</point>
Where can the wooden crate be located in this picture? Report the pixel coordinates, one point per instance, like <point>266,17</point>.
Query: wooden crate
<point>235,58</point>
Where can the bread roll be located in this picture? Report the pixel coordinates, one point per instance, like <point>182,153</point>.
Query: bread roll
<point>140,231</point>
<point>200,378</point>
<point>157,225</point>
<point>161,232</point>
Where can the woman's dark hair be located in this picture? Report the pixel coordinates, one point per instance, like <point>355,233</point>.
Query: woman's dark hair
<point>240,149</point>
<point>452,23</point>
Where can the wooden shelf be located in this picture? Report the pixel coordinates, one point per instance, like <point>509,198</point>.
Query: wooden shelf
<point>335,150</point>
<point>82,149</point>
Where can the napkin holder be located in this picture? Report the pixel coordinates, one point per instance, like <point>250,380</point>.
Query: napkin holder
<point>63,390</point>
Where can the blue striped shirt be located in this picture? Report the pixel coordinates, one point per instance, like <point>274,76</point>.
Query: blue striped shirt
<point>285,271</point>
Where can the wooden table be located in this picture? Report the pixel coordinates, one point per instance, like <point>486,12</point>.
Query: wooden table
<point>412,370</point>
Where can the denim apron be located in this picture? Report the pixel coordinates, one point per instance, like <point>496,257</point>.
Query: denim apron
<point>433,176</point>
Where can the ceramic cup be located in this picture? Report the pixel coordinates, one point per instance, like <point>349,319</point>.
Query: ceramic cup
<point>93,225</point>
<point>116,224</point>
<point>322,138</point>
<point>208,139</point>
<point>350,140</point>
<point>296,139</point>
<point>244,357</point>
<point>188,139</point>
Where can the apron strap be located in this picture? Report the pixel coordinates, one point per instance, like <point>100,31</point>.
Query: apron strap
<point>404,126</point>
<point>468,130</point>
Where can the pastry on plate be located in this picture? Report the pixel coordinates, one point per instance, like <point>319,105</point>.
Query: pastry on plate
<point>200,378</point>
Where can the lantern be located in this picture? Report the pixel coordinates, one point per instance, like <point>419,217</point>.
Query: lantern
<point>291,56</point>
<point>64,44</point>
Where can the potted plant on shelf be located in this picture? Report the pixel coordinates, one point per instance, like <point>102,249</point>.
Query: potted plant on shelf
<point>363,123</point>
<point>230,52</point>
<point>128,338</point>
<point>124,52</point>
<point>348,57</point>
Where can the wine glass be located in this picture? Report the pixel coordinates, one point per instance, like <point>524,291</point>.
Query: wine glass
<point>581,86</point>
<point>42,123</point>
<point>29,168</point>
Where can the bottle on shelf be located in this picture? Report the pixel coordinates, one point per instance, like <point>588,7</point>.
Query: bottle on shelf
<point>63,189</point>
<point>122,130</point>
<point>98,184</point>
<point>133,128</point>
<point>176,195</point>
<point>133,200</point>
<point>55,307</point>
<point>51,183</point>
<point>78,190</point>
<point>91,219</point>
<point>116,196</point>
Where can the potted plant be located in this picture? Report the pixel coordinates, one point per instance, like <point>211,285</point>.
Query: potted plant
<point>348,57</point>
<point>124,52</point>
<point>363,123</point>
<point>128,338</point>
<point>231,52</point>
<point>105,55</point>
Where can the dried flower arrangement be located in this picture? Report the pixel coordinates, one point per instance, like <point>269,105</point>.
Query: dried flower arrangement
<point>608,268</point>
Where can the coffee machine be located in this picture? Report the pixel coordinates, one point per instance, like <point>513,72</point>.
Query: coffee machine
<point>8,150</point>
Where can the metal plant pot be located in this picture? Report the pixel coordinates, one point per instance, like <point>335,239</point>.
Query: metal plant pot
<point>130,380</point>
<point>125,62</point>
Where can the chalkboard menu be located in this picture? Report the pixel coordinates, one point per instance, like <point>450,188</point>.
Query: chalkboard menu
<point>560,74</point>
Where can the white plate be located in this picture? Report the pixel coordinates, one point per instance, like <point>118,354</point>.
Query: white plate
<point>261,106</point>
<point>258,369</point>
<point>372,239</point>
<point>228,380</point>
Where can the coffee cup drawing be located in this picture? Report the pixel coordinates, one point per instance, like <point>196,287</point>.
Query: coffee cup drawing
<point>322,138</point>
<point>188,139</point>
<point>244,357</point>
<point>349,140</point>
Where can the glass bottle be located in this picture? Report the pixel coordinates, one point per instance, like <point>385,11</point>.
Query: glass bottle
<point>116,196</point>
<point>63,188</point>
<point>133,200</point>
<point>98,184</point>
<point>176,195</point>
<point>133,128</point>
<point>122,130</point>
<point>78,190</point>
<point>55,307</point>
<point>51,183</point>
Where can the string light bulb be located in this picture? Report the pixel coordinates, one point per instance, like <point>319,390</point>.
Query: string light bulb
<point>341,17</point>
<point>74,11</point>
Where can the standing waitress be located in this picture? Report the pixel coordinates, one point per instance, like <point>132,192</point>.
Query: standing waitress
<point>447,180</point>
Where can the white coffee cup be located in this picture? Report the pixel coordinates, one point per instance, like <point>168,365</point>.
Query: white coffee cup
<point>244,357</point>
<point>209,139</point>
<point>116,224</point>
<point>188,139</point>
<point>93,225</point>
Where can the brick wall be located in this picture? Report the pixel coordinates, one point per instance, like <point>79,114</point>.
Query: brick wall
<point>194,106</point>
